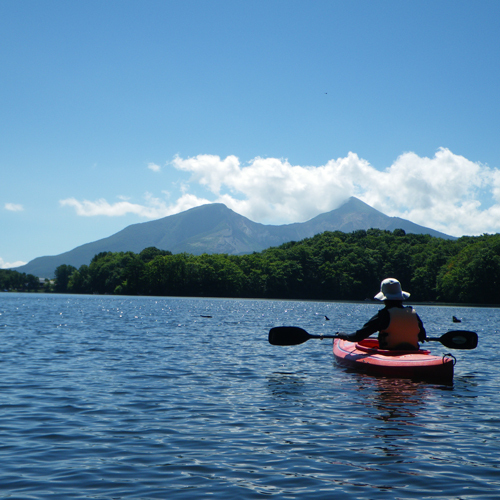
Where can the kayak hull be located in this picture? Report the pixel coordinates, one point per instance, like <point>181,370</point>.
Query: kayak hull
<point>366,357</point>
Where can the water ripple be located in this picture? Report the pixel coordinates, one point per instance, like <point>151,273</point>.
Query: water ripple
<point>146,398</point>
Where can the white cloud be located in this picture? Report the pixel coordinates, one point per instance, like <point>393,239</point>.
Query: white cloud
<point>210,170</point>
<point>7,265</point>
<point>14,207</point>
<point>272,189</point>
<point>154,208</point>
<point>443,192</point>
<point>154,167</point>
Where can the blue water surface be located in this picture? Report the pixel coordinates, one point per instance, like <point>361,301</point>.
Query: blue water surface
<point>153,398</point>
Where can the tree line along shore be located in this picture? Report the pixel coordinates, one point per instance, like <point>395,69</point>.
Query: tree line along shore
<point>328,266</point>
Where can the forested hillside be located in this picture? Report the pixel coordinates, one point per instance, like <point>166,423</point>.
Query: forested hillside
<point>329,266</point>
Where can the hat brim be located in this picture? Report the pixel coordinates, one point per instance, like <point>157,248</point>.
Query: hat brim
<point>397,296</point>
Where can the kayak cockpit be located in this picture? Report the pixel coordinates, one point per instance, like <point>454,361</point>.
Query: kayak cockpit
<point>372,346</point>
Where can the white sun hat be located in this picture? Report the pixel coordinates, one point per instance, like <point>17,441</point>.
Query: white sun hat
<point>390,289</point>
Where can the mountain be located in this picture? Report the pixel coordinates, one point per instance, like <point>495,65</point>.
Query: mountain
<point>214,228</point>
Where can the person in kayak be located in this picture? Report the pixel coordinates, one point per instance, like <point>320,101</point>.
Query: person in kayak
<point>399,327</point>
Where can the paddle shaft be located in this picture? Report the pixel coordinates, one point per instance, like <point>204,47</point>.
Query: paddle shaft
<point>294,335</point>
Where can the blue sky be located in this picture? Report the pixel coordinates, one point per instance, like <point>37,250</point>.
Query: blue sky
<point>119,112</point>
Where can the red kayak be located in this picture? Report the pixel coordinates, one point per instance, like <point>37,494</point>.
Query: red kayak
<point>366,356</point>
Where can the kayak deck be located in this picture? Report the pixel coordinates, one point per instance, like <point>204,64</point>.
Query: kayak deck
<point>365,356</point>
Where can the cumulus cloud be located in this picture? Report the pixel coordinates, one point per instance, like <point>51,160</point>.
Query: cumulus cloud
<point>271,189</point>
<point>13,207</point>
<point>7,265</point>
<point>445,192</point>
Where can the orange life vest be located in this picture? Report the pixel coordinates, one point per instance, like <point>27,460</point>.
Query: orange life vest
<point>403,329</point>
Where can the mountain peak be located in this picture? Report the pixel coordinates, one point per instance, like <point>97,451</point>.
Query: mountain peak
<point>356,204</point>
<point>215,228</point>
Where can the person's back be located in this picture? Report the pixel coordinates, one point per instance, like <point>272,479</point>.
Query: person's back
<point>403,330</point>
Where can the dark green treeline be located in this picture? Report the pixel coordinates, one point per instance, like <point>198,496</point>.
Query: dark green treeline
<point>13,280</point>
<point>329,266</point>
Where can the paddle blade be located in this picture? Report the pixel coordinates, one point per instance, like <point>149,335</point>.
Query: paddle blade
<point>287,335</point>
<point>459,339</point>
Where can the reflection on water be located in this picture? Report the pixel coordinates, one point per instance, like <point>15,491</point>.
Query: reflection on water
<point>396,407</point>
<point>394,399</point>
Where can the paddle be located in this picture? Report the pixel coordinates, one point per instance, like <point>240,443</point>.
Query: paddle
<point>293,335</point>
<point>457,339</point>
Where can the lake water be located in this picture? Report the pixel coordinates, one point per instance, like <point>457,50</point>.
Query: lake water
<point>145,398</point>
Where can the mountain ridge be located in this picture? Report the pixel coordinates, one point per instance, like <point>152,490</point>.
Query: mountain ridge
<point>215,228</point>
